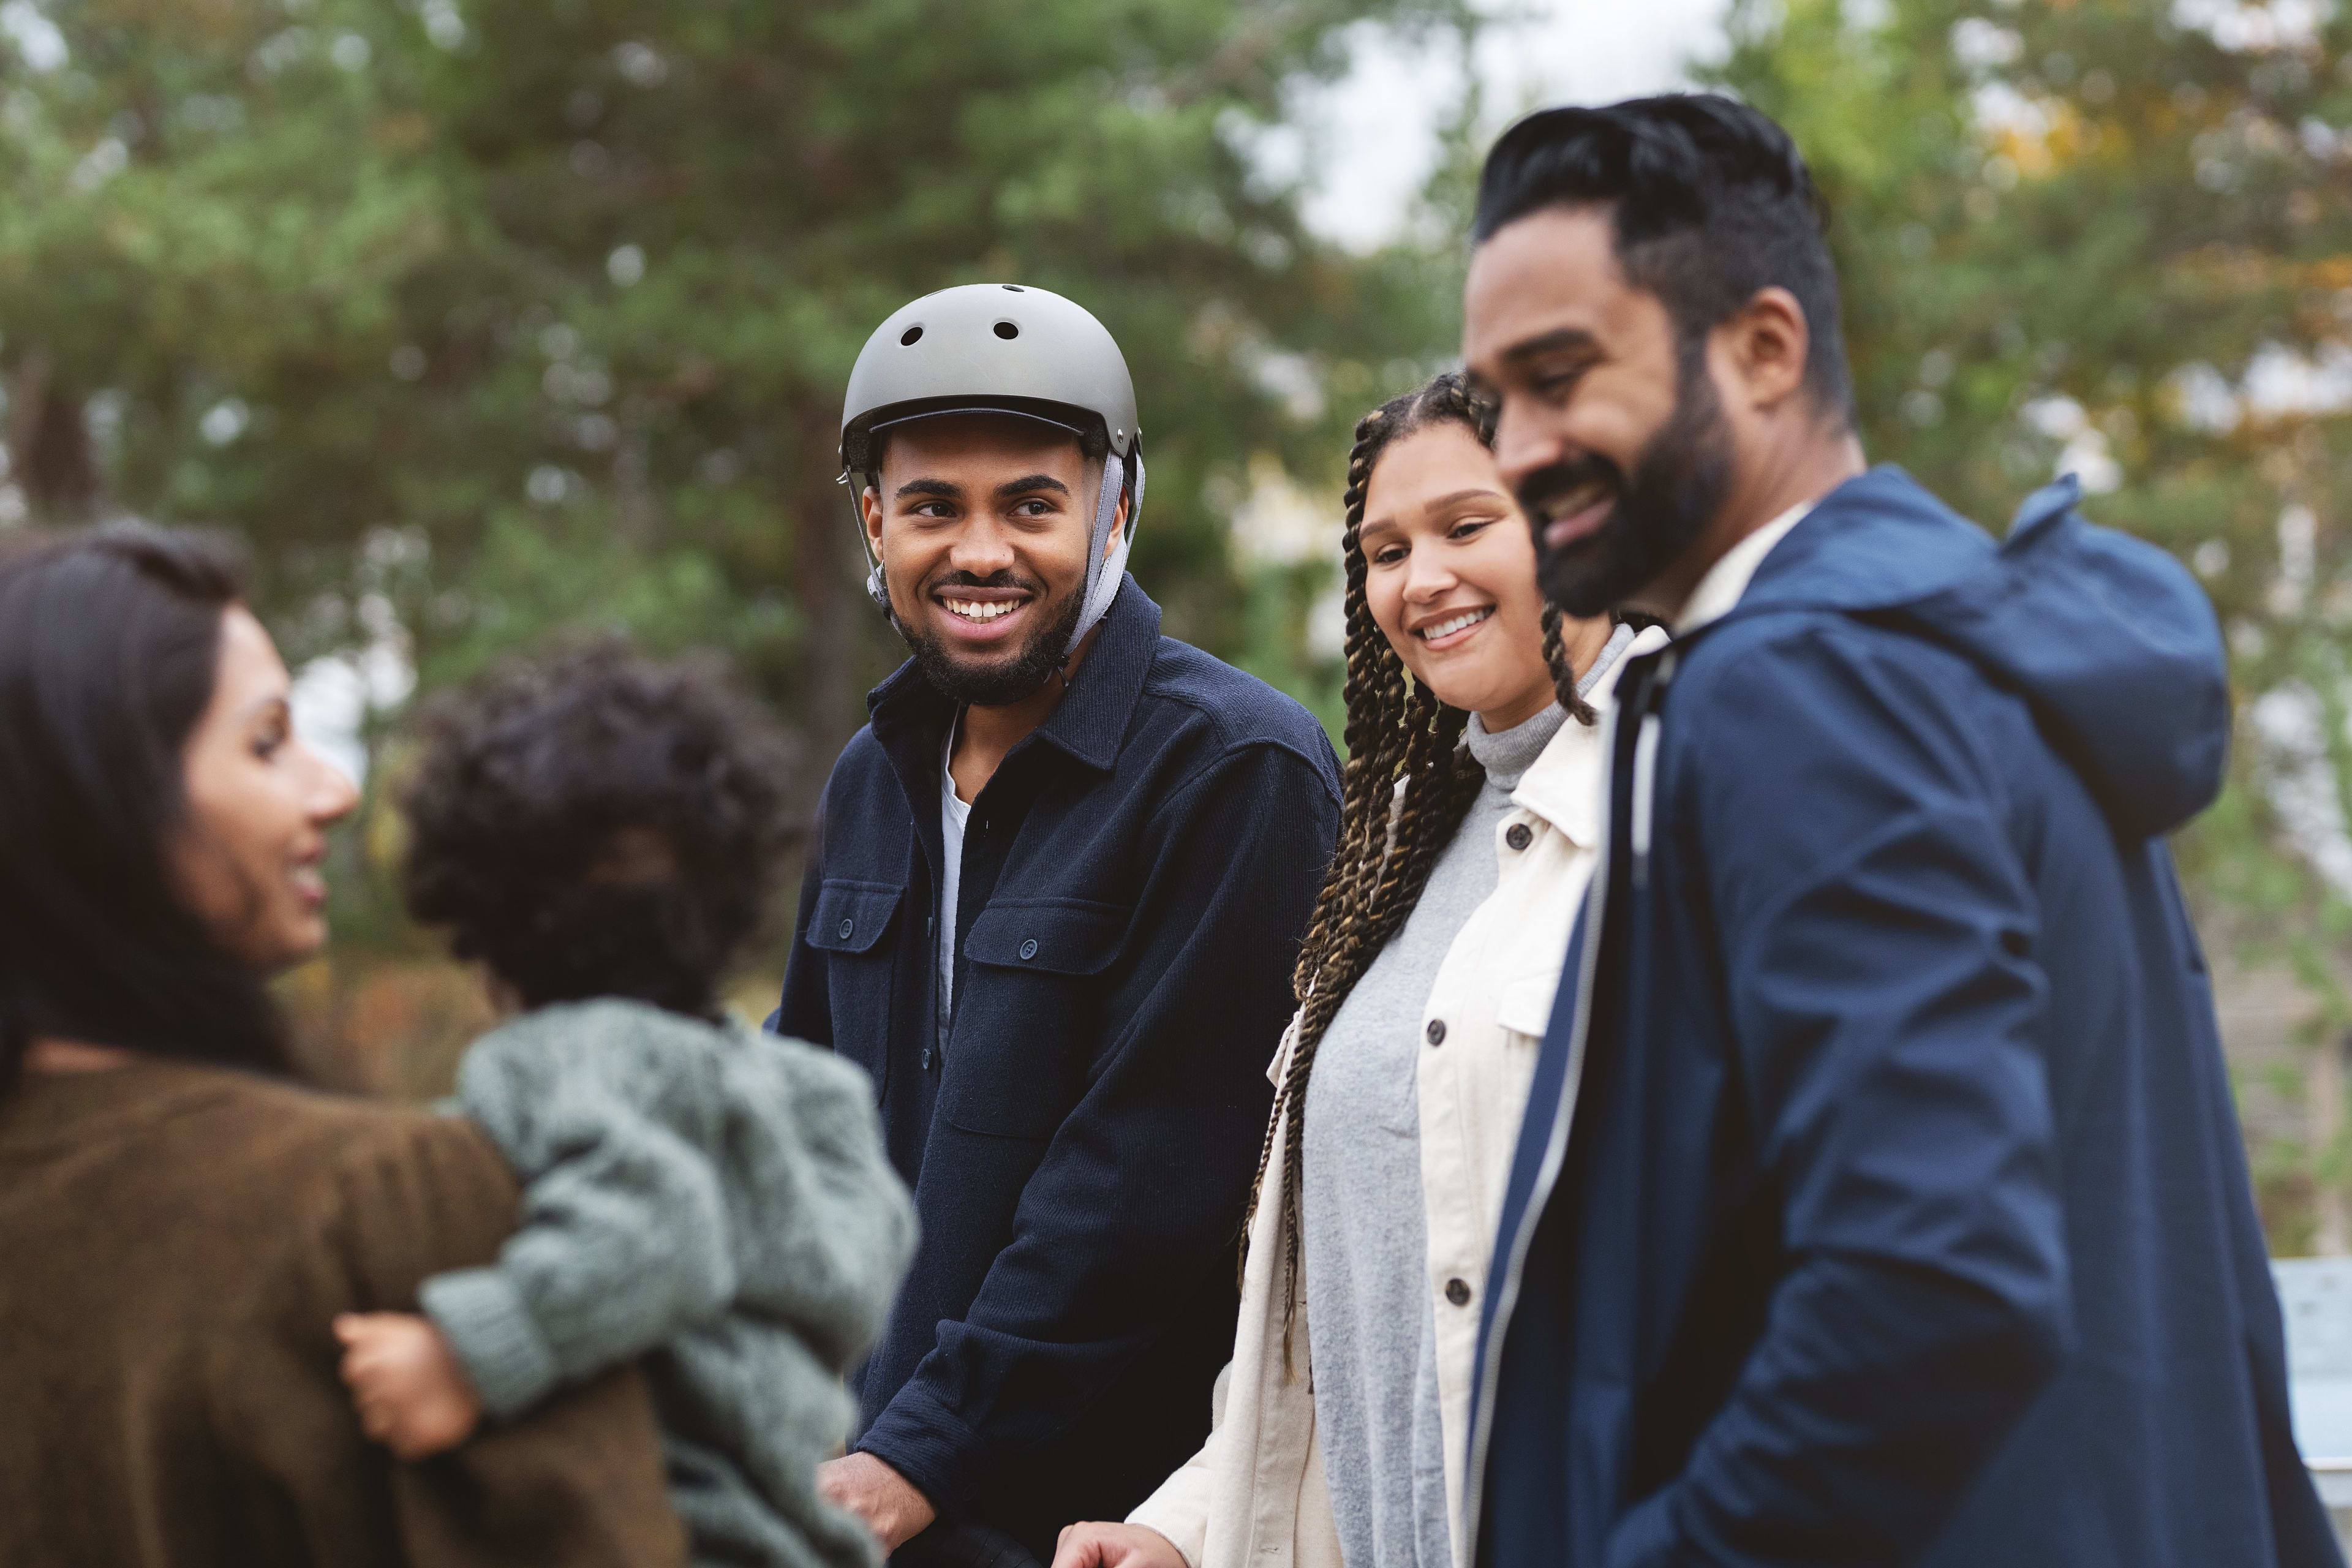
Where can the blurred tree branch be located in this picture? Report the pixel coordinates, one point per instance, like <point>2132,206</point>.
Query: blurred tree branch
<point>48,444</point>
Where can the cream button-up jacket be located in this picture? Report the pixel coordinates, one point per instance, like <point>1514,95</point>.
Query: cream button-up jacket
<point>1254,1497</point>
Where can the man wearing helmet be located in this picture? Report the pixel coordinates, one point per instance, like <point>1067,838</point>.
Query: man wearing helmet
<point>1059,883</point>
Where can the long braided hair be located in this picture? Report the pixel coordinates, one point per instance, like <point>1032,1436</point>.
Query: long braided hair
<point>1408,783</point>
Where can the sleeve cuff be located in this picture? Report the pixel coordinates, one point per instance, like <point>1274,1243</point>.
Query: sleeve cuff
<point>1180,1510</point>
<point>924,1442</point>
<point>482,1315</point>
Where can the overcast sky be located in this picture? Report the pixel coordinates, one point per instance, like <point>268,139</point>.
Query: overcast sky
<point>1373,138</point>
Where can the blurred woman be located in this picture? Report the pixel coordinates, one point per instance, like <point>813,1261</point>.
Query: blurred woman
<point>1425,985</point>
<point>181,1225</point>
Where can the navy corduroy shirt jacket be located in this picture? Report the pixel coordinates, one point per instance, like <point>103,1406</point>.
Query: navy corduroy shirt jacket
<point>1136,880</point>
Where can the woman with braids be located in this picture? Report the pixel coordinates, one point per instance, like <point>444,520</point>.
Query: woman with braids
<point>180,1222</point>
<point>1425,985</point>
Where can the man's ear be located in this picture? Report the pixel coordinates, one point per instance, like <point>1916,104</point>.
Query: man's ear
<point>1767,342</point>
<point>870,508</point>
<point>1117,523</point>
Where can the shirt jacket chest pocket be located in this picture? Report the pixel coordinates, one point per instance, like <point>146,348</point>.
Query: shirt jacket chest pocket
<point>851,918</point>
<point>1032,989</point>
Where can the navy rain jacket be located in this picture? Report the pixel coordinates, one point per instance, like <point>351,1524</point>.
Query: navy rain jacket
<point>1898,1212</point>
<point>1136,879</point>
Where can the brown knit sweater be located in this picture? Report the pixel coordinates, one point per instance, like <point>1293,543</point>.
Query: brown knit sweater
<point>174,1242</point>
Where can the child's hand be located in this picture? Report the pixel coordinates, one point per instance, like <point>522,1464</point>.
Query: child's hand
<point>412,1395</point>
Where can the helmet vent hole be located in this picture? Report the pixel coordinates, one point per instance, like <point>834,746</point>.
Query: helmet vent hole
<point>1013,289</point>
<point>1007,329</point>
<point>910,337</point>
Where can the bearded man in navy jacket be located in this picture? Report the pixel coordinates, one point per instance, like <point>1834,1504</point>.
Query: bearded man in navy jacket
<point>1059,886</point>
<point>1881,1198</point>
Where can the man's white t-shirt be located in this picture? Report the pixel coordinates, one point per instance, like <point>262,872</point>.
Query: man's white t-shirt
<point>953,815</point>
<point>1718,593</point>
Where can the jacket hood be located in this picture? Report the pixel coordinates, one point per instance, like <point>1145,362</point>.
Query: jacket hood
<point>2108,638</point>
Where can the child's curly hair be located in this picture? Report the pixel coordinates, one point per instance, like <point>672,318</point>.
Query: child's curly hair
<point>595,823</point>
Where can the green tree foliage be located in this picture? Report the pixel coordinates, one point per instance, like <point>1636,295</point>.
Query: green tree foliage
<point>484,317</point>
<point>2113,235</point>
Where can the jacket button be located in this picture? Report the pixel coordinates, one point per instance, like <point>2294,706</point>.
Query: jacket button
<point>1436,1031</point>
<point>847,925</point>
<point>1029,948</point>
<point>1519,835</point>
<point>1457,1292</point>
<point>927,1058</point>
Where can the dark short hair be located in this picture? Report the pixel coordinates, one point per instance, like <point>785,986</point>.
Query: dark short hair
<point>1710,202</point>
<point>109,647</point>
<point>596,823</point>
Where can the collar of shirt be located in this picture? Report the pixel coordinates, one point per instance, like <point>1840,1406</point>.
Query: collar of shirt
<point>947,795</point>
<point>1563,786</point>
<point>1718,592</point>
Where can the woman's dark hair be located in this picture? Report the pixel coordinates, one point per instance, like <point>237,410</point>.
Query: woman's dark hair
<point>1709,201</point>
<point>596,823</point>
<point>110,646</point>
<point>1408,783</point>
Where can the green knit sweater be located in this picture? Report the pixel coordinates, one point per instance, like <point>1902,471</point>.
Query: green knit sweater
<point>714,1201</point>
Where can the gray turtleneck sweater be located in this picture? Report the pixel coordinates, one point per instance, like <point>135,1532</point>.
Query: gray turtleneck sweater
<point>1372,1322</point>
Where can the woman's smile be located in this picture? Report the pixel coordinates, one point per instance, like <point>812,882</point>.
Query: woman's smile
<point>307,876</point>
<point>1454,628</point>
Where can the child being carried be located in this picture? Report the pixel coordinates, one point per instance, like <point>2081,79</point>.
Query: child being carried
<point>601,831</point>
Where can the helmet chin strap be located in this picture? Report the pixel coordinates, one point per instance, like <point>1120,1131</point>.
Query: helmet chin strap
<point>875,589</point>
<point>1104,571</point>
<point>1103,576</point>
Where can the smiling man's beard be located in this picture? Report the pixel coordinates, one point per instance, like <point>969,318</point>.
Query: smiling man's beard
<point>1676,489</point>
<point>994,684</point>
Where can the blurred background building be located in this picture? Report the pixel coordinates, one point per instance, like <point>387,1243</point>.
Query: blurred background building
<point>484,320</point>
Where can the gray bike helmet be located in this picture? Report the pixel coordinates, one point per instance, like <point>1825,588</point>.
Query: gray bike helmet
<point>1002,348</point>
